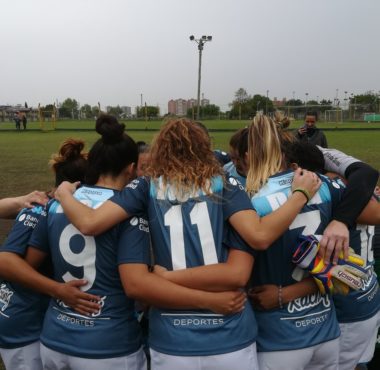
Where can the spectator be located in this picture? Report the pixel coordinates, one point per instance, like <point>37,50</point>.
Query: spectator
<point>310,133</point>
<point>24,120</point>
<point>17,120</point>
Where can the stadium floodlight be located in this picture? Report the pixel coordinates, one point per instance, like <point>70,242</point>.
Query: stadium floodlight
<point>201,41</point>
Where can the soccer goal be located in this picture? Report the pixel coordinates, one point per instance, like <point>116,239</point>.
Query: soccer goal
<point>47,116</point>
<point>334,115</point>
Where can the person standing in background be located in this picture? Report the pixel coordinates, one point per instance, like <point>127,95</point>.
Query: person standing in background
<point>310,133</point>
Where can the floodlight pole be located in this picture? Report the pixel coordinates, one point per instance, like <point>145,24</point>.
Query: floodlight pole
<point>201,41</point>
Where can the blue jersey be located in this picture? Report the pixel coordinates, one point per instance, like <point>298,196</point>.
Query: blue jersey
<point>306,321</point>
<point>189,233</point>
<point>222,156</point>
<point>21,310</point>
<point>230,169</point>
<point>364,303</point>
<point>114,330</point>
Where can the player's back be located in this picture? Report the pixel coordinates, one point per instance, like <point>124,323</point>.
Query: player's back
<point>189,232</point>
<point>21,310</point>
<point>309,320</point>
<point>364,303</point>
<point>114,330</point>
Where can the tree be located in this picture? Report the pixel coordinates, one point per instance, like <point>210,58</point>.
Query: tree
<point>95,111</point>
<point>247,108</point>
<point>241,96</point>
<point>312,102</point>
<point>294,102</point>
<point>207,111</point>
<point>69,108</point>
<point>115,111</point>
<point>86,111</point>
<point>367,102</point>
<point>147,111</point>
<point>325,105</point>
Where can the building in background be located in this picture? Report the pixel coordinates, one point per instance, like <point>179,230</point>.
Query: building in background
<point>179,107</point>
<point>279,103</point>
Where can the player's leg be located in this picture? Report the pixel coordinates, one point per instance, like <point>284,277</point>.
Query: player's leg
<point>162,361</point>
<point>371,342</point>
<point>245,359</point>
<point>325,356</point>
<point>295,359</point>
<point>134,361</point>
<point>53,360</point>
<point>22,358</point>
<point>356,339</point>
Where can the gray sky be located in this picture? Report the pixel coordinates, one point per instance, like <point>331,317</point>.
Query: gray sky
<point>114,50</point>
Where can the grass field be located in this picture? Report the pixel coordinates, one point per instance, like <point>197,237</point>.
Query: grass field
<point>24,155</point>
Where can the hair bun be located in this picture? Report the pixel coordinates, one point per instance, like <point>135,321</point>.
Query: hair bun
<point>111,130</point>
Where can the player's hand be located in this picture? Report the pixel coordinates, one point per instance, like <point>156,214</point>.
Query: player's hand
<point>70,294</point>
<point>330,278</point>
<point>302,130</point>
<point>307,180</point>
<point>334,241</point>
<point>227,303</point>
<point>264,297</point>
<point>65,188</point>
<point>29,200</point>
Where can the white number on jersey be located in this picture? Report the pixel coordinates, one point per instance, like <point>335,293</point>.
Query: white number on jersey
<point>86,258</point>
<point>310,221</point>
<point>366,237</point>
<point>199,216</point>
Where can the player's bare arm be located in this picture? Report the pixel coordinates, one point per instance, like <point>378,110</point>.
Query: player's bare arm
<point>266,297</point>
<point>232,274</point>
<point>143,285</point>
<point>14,268</point>
<point>260,233</point>
<point>87,220</point>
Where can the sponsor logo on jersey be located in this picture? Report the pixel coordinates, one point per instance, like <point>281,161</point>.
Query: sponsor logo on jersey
<point>133,184</point>
<point>5,297</point>
<point>28,220</point>
<point>235,182</point>
<point>143,224</point>
<point>91,191</point>
<point>198,322</point>
<point>311,300</point>
<point>285,181</point>
<point>101,302</point>
<point>332,158</point>
<point>39,210</point>
<point>134,221</point>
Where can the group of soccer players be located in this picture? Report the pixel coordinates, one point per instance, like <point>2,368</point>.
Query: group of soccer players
<point>209,235</point>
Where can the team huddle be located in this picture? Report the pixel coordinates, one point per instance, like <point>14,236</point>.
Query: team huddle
<point>231,261</point>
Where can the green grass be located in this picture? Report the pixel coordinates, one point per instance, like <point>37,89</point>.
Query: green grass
<point>155,125</point>
<point>24,155</point>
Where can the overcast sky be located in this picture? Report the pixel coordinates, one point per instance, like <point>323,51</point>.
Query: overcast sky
<point>112,51</point>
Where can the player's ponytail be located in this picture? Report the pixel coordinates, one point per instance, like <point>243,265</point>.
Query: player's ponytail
<point>70,163</point>
<point>112,152</point>
<point>264,152</point>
